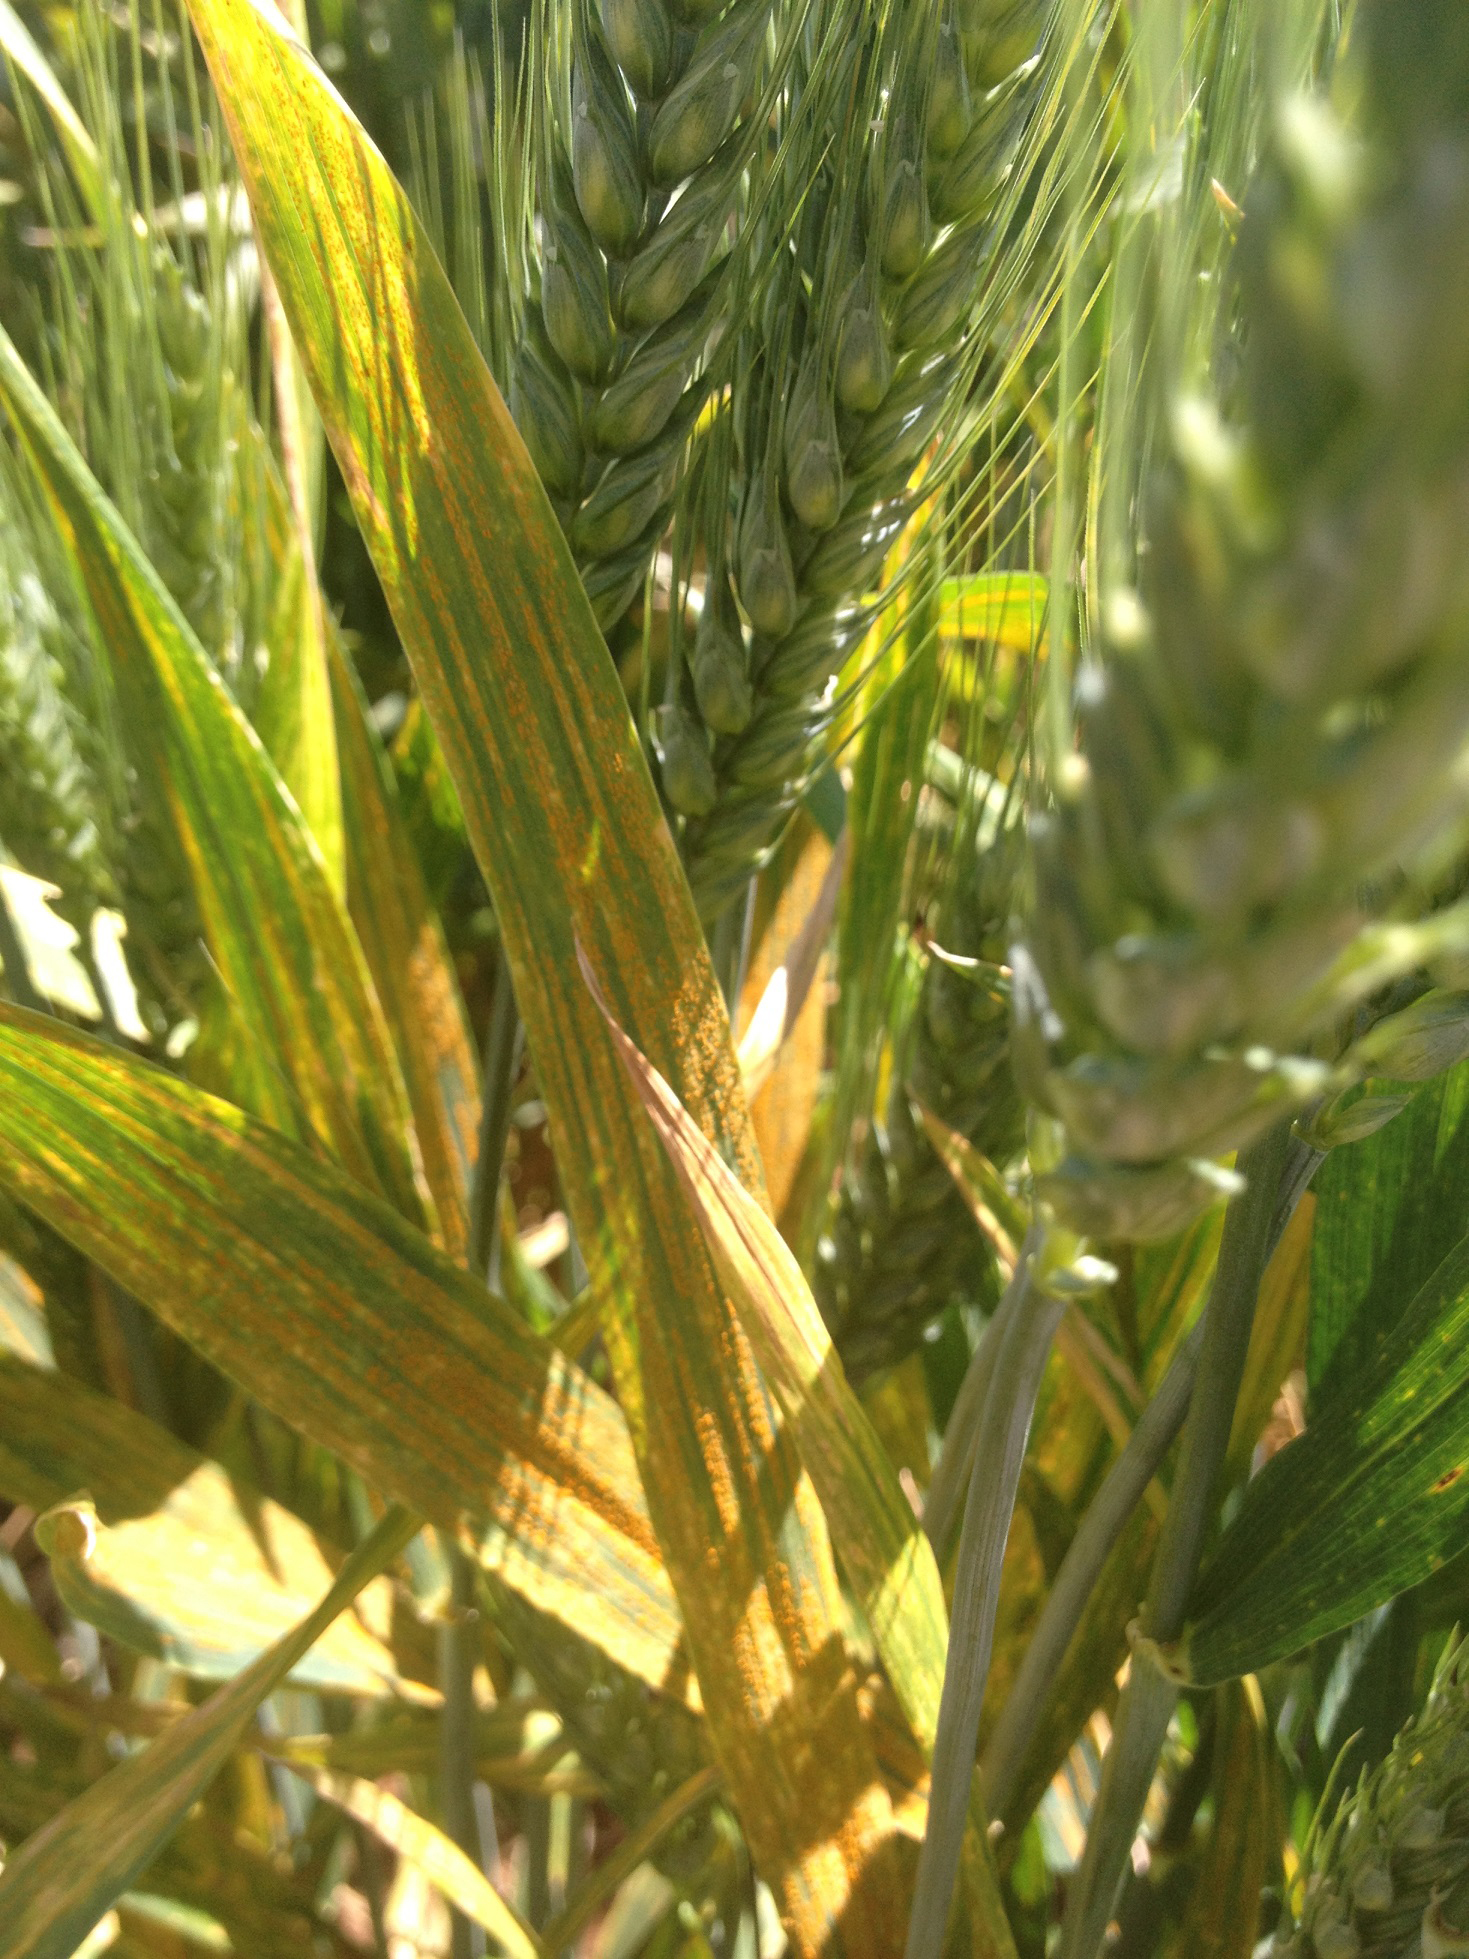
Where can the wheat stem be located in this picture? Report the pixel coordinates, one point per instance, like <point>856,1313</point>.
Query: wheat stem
<point>999,1453</point>
<point>458,1644</point>
<point>1148,1698</point>
<point>1104,1522</point>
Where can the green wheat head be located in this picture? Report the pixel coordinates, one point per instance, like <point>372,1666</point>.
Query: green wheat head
<point>1265,777</point>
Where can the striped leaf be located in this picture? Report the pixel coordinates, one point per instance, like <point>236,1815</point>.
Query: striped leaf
<point>404,946</point>
<point>62,1879</point>
<point>320,1063</point>
<point>567,829</point>
<point>328,1308</point>
<point>888,1560</point>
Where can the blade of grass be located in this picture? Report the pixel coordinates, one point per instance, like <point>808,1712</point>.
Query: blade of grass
<point>568,831</point>
<point>403,943</point>
<point>61,1880</point>
<point>993,1479</point>
<point>888,1561</point>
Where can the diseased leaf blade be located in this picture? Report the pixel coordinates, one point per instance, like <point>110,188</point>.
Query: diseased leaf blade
<point>568,831</point>
<point>888,1560</point>
<point>321,1065</point>
<point>404,946</point>
<point>326,1306</point>
<point>1370,1500</point>
<point>62,1879</point>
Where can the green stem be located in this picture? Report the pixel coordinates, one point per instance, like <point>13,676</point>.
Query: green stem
<point>950,1480</point>
<point>999,1453</point>
<point>1147,1702</point>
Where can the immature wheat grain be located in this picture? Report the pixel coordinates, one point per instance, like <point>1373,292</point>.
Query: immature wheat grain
<point>901,1246</point>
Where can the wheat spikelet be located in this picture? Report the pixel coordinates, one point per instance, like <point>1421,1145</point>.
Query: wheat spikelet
<point>1389,1874</point>
<point>1266,761</point>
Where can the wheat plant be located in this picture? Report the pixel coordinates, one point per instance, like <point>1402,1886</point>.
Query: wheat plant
<point>733,1073</point>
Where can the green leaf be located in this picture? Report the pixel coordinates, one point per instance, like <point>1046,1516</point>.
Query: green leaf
<point>186,1563</point>
<point>568,831</point>
<point>327,1307</point>
<point>1370,1500</point>
<point>322,1066</point>
<point>62,1879</point>
<point>1388,1209</point>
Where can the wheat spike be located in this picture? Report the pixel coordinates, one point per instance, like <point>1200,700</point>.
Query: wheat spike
<point>1389,1873</point>
<point>901,1246</point>
<point>862,353</point>
<point>1265,761</point>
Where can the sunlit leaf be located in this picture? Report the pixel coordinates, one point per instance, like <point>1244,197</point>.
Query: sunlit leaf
<point>406,955</point>
<point>60,1881</point>
<point>442,1862</point>
<point>186,1565</point>
<point>888,1560</point>
<point>567,829</point>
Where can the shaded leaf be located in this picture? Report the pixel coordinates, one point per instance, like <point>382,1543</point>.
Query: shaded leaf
<point>519,1744</point>
<point>1222,1919</point>
<point>1388,1209</point>
<point>1370,1500</point>
<point>442,1862</point>
<point>331,1310</point>
<point>62,1879</point>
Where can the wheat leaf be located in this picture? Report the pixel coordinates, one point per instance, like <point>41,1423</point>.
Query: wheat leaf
<point>63,1878</point>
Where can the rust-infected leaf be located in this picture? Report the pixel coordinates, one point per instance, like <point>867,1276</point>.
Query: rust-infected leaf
<point>568,831</point>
